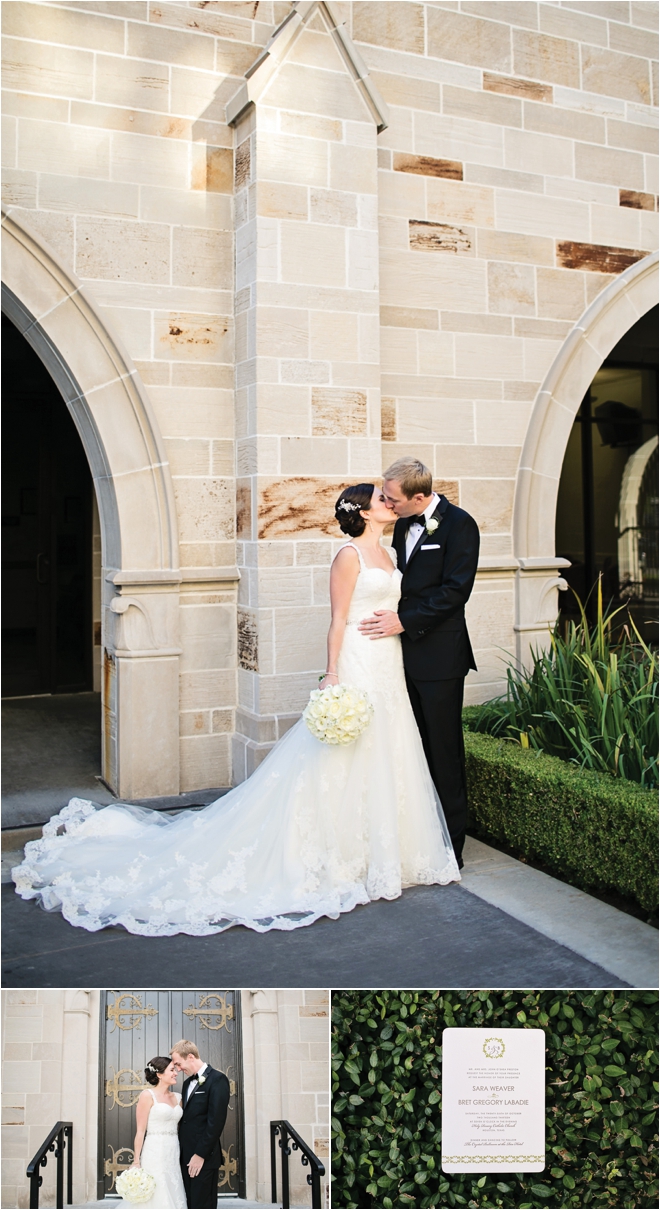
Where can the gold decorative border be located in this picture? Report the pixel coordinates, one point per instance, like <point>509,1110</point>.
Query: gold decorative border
<point>492,1159</point>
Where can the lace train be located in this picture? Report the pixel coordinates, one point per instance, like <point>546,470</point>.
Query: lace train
<point>315,831</point>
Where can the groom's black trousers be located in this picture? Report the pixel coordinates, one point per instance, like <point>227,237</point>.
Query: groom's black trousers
<point>437,707</point>
<point>202,1191</point>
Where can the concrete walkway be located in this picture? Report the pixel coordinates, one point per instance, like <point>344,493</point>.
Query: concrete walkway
<point>224,1202</point>
<point>505,925</point>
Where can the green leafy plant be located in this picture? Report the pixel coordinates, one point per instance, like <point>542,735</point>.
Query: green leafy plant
<point>599,833</point>
<point>589,699</point>
<point>601,1098</point>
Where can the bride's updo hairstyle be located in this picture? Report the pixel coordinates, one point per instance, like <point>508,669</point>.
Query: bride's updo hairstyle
<point>347,509</point>
<point>154,1068</point>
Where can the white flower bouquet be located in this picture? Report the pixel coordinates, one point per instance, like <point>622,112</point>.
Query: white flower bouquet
<point>135,1185</point>
<point>338,714</point>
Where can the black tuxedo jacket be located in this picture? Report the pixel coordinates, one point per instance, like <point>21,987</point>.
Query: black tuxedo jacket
<point>437,581</point>
<point>203,1118</point>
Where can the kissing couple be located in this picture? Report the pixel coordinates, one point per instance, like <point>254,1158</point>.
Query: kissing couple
<point>177,1140</point>
<point>318,828</point>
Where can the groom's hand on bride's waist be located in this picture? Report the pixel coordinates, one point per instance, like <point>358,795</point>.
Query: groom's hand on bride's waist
<point>195,1165</point>
<point>383,623</point>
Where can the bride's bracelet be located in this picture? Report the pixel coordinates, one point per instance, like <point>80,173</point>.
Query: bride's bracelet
<point>327,674</point>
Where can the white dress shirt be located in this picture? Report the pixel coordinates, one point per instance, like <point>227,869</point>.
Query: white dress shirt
<point>195,1081</point>
<point>414,531</point>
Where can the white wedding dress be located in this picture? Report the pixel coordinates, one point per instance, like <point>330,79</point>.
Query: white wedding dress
<point>160,1157</point>
<point>316,829</point>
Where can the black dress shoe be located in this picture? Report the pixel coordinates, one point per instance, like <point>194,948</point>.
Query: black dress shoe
<point>461,863</point>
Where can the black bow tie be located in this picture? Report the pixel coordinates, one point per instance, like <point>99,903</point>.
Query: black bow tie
<point>414,520</point>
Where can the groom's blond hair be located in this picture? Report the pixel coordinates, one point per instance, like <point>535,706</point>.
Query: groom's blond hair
<point>411,475</point>
<point>185,1049</point>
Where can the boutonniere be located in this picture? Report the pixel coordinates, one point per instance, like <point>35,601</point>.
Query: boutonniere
<point>201,1080</point>
<point>431,526</point>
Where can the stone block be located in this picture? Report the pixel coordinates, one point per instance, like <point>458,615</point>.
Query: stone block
<point>212,168</point>
<point>469,40</point>
<point>80,194</point>
<point>399,354</point>
<point>634,41</point>
<point>504,245</point>
<point>539,153</point>
<point>425,236</point>
<point>201,257</point>
<point>8,142</point>
<point>300,637</point>
<point>504,178</point>
<point>502,423</point>
<point>311,126</point>
<point>620,225</point>
<point>205,762</point>
<point>482,106</point>
<point>632,136</point>
<point>596,258</point>
<point>546,329</point>
<point>577,26</point>
<point>408,90</point>
<point>313,253</point>
<point>131,82</point>
<point>183,337</point>
<point>285,158</point>
<point>352,169</point>
<point>388,422</point>
<point>150,161</point>
<point>494,356</point>
<point>527,90</point>
<point>408,317</point>
<point>283,409</point>
<point>189,456</point>
<point>435,352</point>
<point>313,455</point>
<point>67,150</point>
<point>282,332</point>
<point>338,412</point>
<point>207,690</point>
<point>539,354</point>
<point>458,321</point>
<point>331,93</point>
<point>194,722</point>
<point>207,637</point>
<point>565,123</point>
<point>548,216</point>
<point>511,288</point>
<point>170,46</point>
<point>190,208</point>
<point>447,420</point>
<point>208,412</point>
<point>298,506</point>
<point>451,202</point>
<point>620,168</point>
<point>205,509</point>
<point>490,502</point>
<point>134,251</point>
<point>333,334</point>
<point>426,165</point>
<point>197,93</point>
<point>304,371</point>
<point>276,200</point>
<point>19,188</point>
<point>560,295</point>
<point>542,57</point>
<point>33,67</point>
<point>514,12</point>
<point>395,25</point>
<point>615,74</point>
<point>476,461</point>
<point>333,206</point>
<point>636,200</point>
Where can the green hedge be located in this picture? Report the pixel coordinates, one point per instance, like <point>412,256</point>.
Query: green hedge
<point>599,832</point>
<point>601,1101</point>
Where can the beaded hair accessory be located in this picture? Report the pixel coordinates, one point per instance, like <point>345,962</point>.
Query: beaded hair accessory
<point>346,507</point>
<point>150,1067</point>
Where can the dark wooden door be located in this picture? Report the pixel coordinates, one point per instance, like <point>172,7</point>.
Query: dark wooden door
<point>46,532</point>
<point>138,1025</point>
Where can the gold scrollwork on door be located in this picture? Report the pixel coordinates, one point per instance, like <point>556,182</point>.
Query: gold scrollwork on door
<point>128,1006</point>
<point>114,1166</point>
<point>232,1083</point>
<point>229,1167</point>
<point>130,1089</point>
<point>206,1011</point>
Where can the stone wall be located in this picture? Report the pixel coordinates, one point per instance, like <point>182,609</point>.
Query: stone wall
<point>242,235</point>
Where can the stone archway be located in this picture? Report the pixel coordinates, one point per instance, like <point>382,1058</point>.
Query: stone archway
<point>118,430</point>
<point>612,313</point>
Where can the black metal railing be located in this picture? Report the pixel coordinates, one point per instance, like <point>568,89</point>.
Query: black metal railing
<point>289,1140</point>
<point>60,1140</point>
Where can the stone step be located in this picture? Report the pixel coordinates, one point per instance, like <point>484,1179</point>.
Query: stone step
<point>224,1203</point>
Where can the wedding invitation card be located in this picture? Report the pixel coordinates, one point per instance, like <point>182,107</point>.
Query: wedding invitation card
<point>493,1100</point>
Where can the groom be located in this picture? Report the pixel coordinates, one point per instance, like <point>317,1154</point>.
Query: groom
<point>204,1100</point>
<point>437,547</point>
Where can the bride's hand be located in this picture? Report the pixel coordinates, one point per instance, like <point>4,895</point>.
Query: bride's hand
<point>330,678</point>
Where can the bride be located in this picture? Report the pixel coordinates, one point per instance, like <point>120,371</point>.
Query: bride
<point>316,830</point>
<point>158,1114</point>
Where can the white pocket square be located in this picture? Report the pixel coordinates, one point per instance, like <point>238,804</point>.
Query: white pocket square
<point>431,546</point>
